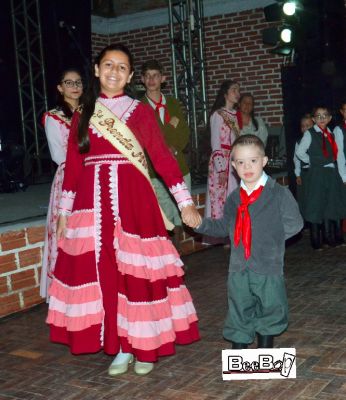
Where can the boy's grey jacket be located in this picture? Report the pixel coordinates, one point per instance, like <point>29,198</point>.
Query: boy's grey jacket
<point>275,217</point>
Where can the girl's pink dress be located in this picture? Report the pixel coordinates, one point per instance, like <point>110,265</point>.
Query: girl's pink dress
<point>223,135</point>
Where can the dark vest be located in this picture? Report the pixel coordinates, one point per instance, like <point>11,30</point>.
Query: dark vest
<point>317,159</point>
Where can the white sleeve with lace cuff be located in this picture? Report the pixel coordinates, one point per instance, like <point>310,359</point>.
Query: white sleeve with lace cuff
<point>66,202</point>
<point>182,195</point>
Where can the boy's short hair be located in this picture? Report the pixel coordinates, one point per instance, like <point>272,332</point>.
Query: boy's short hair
<point>248,140</point>
<point>151,64</point>
<point>323,107</point>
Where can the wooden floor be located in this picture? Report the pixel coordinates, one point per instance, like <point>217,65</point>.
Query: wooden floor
<point>32,368</point>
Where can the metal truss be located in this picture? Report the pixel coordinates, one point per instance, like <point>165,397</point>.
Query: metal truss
<point>188,66</point>
<point>31,76</point>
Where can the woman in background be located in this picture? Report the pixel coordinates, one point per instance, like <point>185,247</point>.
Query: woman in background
<point>251,124</point>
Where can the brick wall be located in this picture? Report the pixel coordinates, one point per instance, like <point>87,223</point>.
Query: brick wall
<point>234,49</point>
<point>21,258</point>
<point>20,267</point>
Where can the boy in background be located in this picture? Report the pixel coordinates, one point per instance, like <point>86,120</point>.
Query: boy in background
<point>176,132</point>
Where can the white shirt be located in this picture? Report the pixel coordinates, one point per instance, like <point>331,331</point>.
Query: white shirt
<point>162,109</point>
<point>304,145</point>
<point>57,135</point>
<point>339,139</point>
<point>297,163</point>
<point>261,182</point>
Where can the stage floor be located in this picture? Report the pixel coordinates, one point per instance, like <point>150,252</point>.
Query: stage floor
<point>24,206</point>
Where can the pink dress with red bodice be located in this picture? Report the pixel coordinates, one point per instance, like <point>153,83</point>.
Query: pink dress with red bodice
<point>118,279</point>
<point>57,128</point>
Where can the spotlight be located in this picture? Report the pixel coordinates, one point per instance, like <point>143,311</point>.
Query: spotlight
<point>289,8</point>
<point>286,35</point>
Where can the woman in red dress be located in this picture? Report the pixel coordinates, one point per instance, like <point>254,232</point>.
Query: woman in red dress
<point>118,281</point>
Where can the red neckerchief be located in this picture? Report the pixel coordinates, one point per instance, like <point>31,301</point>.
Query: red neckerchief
<point>331,140</point>
<point>158,106</point>
<point>239,119</point>
<point>344,125</point>
<point>242,227</point>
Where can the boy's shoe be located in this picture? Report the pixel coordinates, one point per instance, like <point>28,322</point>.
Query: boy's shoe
<point>339,234</point>
<point>265,341</point>
<point>315,236</point>
<point>236,345</point>
<point>143,368</point>
<point>120,364</point>
<point>328,233</point>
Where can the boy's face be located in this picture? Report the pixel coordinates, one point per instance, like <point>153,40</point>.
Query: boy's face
<point>343,111</point>
<point>322,118</point>
<point>249,161</point>
<point>305,124</point>
<point>152,80</point>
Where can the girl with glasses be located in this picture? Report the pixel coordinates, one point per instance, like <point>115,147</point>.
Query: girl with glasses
<point>57,123</point>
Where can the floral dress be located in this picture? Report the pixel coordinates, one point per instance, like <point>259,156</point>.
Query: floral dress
<point>57,128</point>
<point>118,279</point>
<point>224,130</point>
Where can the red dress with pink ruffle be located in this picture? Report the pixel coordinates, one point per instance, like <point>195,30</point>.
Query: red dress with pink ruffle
<point>118,280</point>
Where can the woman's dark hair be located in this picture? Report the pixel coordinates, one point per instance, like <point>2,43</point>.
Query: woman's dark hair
<point>93,92</point>
<point>61,104</point>
<point>339,118</point>
<point>253,118</point>
<point>220,100</point>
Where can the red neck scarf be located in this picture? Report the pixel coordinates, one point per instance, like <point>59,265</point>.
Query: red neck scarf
<point>327,135</point>
<point>243,221</point>
<point>344,125</point>
<point>158,106</point>
<point>239,119</point>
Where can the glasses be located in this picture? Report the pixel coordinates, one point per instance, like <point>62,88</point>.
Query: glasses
<point>322,116</point>
<point>69,83</point>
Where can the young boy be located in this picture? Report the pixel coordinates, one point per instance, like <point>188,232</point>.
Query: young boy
<point>176,132</point>
<point>324,205</point>
<point>258,217</point>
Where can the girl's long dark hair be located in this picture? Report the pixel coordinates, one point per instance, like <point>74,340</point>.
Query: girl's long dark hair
<point>61,104</point>
<point>339,117</point>
<point>253,118</point>
<point>93,92</point>
<point>220,100</point>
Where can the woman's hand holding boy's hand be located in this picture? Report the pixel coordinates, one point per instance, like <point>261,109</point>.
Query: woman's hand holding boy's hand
<point>190,216</point>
